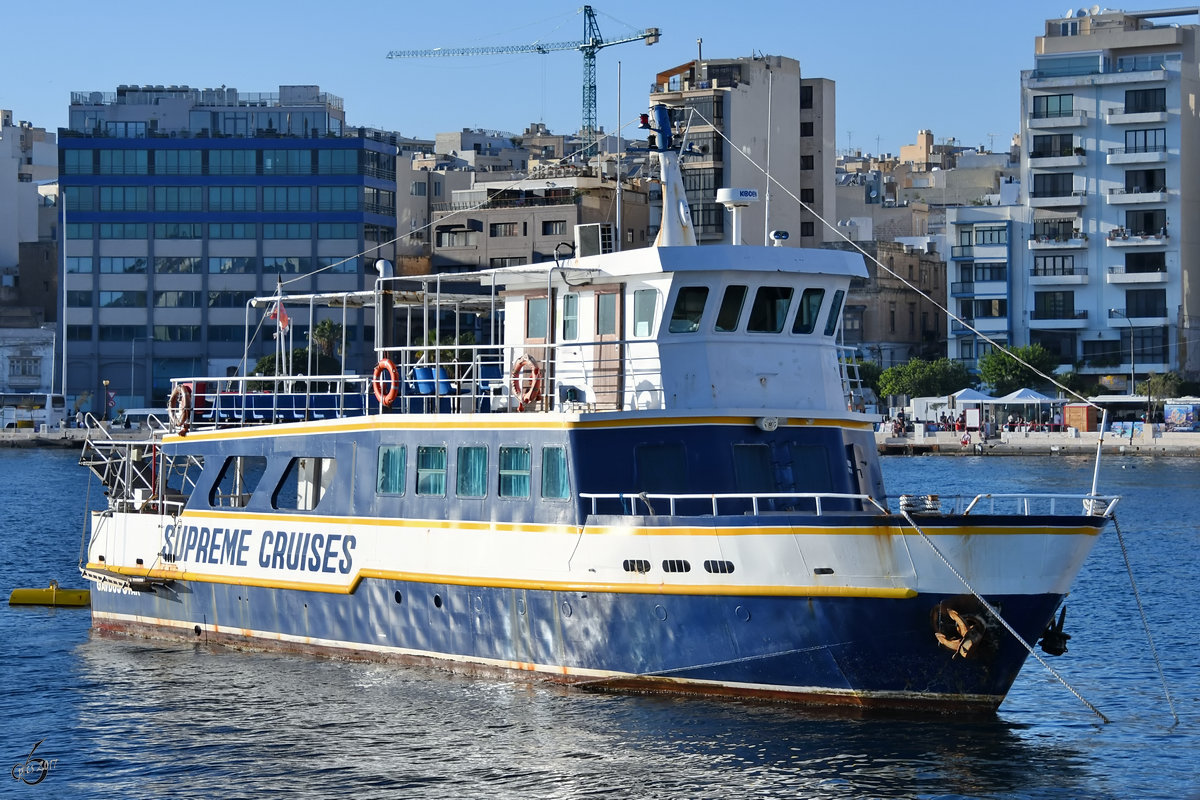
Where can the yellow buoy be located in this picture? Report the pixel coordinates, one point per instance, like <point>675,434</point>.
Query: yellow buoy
<point>52,595</point>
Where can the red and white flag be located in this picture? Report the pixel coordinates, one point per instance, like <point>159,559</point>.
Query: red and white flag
<point>279,314</point>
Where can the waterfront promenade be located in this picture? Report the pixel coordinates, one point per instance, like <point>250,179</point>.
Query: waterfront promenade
<point>1157,442</point>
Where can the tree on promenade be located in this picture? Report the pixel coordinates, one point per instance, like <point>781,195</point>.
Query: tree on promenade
<point>920,378</point>
<point>1005,374</point>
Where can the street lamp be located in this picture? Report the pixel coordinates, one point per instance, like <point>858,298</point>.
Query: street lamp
<point>104,400</point>
<point>1116,312</point>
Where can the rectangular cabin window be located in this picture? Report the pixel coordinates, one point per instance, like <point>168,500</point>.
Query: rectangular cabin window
<point>514,471</point>
<point>431,471</point>
<point>835,310</point>
<point>644,301</point>
<point>472,471</point>
<point>731,309</point>
<point>389,475</point>
<point>535,318</point>
<point>661,468</point>
<point>689,308</point>
<point>770,309</point>
<point>570,317</point>
<point>752,470</point>
<point>555,485</point>
<point>606,314</point>
<point>810,307</point>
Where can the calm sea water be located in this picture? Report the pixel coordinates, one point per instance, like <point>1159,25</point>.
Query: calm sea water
<point>128,717</point>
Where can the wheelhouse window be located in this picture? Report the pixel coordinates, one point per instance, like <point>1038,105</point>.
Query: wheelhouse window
<point>689,308</point>
<point>731,309</point>
<point>431,471</point>
<point>835,310</point>
<point>472,471</point>
<point>555,485</point>
<point>770,309</point>
<point>514,472</point>
<point>810,308</point>
<point>390,467</point>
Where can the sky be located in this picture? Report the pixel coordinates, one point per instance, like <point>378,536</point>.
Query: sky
<point>950,67</point>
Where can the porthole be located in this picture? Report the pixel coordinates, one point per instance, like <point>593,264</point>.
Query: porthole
<point>636,565</point>
<point>437,601</point>
<point>823,571</point>
<point>718,567</point>
<point>399,597</point>
<point>676,565</point>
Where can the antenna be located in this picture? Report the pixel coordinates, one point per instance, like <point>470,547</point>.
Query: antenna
<point>991,140</point>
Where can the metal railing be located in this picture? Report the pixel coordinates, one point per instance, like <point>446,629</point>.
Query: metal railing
<point>734,503</point>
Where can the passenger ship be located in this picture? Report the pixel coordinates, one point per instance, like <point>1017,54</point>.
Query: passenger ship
<point>651,475</point>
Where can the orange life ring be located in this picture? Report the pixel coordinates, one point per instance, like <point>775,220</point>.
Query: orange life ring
<point>393,378</point>
<point>526,381</point>
<point>179,407</point>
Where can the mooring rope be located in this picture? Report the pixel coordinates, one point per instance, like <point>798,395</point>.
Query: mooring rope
<point>1145,623</point>
<point>726,662</point>
<point>992,610</point>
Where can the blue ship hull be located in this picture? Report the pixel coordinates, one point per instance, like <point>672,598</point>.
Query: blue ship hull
<point>869,652</point>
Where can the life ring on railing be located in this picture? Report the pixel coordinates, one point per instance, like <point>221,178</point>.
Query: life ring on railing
<point>393,379</point>
<point>526,381</point>
<point>179,407</point>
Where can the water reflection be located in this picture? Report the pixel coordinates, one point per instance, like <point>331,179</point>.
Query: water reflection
<point>224,723</point>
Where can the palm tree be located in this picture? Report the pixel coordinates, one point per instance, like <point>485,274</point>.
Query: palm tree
<point>326,335</point>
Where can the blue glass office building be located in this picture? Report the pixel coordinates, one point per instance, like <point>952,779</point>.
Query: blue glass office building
<point>180,204</point>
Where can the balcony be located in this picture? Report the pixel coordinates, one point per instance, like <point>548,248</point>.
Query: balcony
<point>1117,274</point>
<point>1075,199</point>
<point>1077,241</point>
<point>991,325</point>
<point>1066,159</point>
<point>962,251</point>
<point>1121,197</point>
<point>1066,278</point>
<point>1118,319</point>
<point>962,288</point>
<point>1058,320</point>
<point>1150,154</point>
<point>1119,116</point>
<point>1119,237</point>
<point>1076,120</point>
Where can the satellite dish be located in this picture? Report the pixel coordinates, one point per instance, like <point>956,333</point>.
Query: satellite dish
<point>1081,12</point>
<point>1095,10</point>
<point>1070,14</point>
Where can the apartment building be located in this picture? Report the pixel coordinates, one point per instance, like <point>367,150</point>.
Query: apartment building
<point>759,110</point>
<point>1107,262</point>
<point>181,204</point>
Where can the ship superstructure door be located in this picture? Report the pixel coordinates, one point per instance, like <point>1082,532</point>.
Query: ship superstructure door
<point>608,364</point>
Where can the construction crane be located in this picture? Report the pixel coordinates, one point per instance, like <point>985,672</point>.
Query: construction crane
<point>592,42</point>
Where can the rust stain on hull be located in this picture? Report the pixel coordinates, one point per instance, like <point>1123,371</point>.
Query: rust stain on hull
<point>846,702</point>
